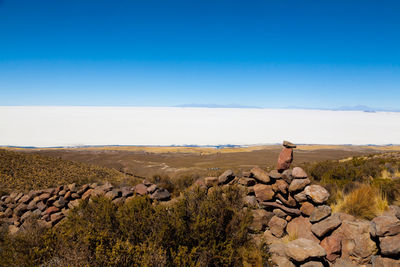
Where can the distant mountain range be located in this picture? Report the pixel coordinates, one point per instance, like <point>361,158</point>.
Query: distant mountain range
<point>342,108</point>
<point>214,106</point>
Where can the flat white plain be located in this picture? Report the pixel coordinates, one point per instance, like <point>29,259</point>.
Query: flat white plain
<point>73,126</point>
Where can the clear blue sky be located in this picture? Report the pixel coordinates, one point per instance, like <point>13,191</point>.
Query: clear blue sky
<point>162,53</point>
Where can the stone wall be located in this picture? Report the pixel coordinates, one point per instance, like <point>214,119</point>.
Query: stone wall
<point>50,206</point>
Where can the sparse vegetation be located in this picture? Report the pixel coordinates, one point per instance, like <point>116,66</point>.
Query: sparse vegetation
<point>365,202</point>
<point>199,229</point>
<point>23,172</point>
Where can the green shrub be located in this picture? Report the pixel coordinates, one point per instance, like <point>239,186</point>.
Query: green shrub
<point>197,229</point>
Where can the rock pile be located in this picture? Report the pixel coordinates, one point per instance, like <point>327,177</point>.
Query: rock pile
<point>291,216</point>
<point>50,206</point>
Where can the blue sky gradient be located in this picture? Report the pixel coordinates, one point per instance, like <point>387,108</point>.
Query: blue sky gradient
<point>164,53</point>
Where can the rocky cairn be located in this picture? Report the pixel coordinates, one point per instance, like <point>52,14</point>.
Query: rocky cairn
<point>291,217</point>
<point>50,206</point>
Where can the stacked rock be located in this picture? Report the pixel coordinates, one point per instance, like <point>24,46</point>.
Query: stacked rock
<point>50,206</point>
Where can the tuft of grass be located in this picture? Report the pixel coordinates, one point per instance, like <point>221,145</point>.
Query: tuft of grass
<point>364,202</point>
<point>290,237</point>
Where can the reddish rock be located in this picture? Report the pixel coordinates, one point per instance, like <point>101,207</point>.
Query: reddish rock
<point>385,262</point>
<point>277,226</point>
<point>385,226</point>
<point>67,196</point>
<point>280,186</point>
<point>319,213</point>
<point>260,175</point>
<point>325,226</point>
<point>263,192</point>
<point>300,227</point>
<point>285,159</point>
<point>332,246</point>
<point>298,185</point>
<point>290,201</point>
<point>260,219</point>
<point>52,209</point>
<point>41,206</point>
<point>299,173</point>
<point>390,246</point>
<point>317,193</point>
<point>307,208</point>
<point>226,177</point>
<point>56,217</point>
<point>43,197</point>
<point>302,249</point>
<point>140,189</point>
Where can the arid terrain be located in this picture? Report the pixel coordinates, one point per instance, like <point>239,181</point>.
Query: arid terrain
<point>173,161</point>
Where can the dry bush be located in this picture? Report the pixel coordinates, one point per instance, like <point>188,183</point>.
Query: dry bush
<point>364,202</point>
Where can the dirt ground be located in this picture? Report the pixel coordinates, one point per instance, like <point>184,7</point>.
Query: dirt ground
<point>174,161</point>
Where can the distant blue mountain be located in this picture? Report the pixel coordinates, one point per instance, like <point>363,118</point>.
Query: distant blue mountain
<point>214,106</point>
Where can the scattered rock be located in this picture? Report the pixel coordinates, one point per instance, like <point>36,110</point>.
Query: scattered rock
<point>303,249</point>
<point>317,193</point>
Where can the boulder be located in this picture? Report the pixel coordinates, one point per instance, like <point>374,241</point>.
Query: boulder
<point>303,249</point>
<point>317,193</point>
<point>390,245</point>
<point>277,226</point>
<point>287,176</point>
<point>319,213</point>
<point>260,175</point>
<point>161,194</point>
<point>280,186</point>
<point>285,159</point>
<point>300,227</point>
<point>274,174</point>
<point>140,189</point>
<point>280,213</point>
<point>332,246</point>
<point>307,208</point>
<point>300,197</point>
<point>260,219</point>
<point>298,185</point>
<point>385,226</point>
<point>325,226</point>
<point>225,177</point>
<point>299,173</point>
<point>356,242</point>
<point>385,262</point>
<point>263,192</point>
